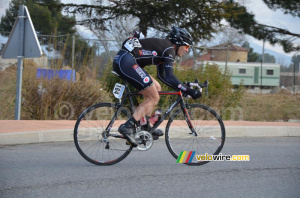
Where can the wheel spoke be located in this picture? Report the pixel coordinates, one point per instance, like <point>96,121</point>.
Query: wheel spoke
<point>208,126</point>
<point>88,135</point>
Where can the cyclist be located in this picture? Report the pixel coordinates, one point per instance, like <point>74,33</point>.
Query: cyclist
<point>134,56</point>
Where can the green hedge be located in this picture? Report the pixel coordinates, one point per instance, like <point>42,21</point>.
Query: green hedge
<point>220,92</point>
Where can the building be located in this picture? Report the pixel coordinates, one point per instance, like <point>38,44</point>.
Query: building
<point>229,52</point>
<point>250,73</point>
<point>234,58</point>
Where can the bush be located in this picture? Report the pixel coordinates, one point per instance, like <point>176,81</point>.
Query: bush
<point>220,94</point>
<point>58,99</point>
<point>44,99</point>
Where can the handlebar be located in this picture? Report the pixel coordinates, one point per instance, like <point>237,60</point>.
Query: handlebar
<point>199,85</point>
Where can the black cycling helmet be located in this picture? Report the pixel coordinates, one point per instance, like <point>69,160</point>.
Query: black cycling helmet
<point>180,36</point>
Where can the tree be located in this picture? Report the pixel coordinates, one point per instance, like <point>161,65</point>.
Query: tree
<point>201,18</point>
<point>116,32</point>
<point>256,57</point>
<point>268,58</point>
<point>198,16</point>
<point>8,20</point>
<point>46,20</point>
<point>252,56</point>
<point>287,6</point>
<point>230,35</point>
<point>240,19</point>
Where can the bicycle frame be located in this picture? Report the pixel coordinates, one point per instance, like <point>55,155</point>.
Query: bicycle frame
<point>179,100</point>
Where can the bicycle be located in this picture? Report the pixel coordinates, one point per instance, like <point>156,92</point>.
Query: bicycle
<point>192,127</point>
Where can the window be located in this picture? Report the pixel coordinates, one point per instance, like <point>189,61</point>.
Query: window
<point>270,72</point>
<point>242,70</point>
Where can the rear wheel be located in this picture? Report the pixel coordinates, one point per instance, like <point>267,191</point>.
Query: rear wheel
<point>209,138</point>
<point>96,134</point>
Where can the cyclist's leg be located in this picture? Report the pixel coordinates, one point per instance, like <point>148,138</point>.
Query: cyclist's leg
<point>157,85</point>
<point>151,98</point>
<point>125,65</point>
<point>158,88</point>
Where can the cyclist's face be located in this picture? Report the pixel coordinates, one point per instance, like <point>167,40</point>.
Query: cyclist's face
<point>182,50</point>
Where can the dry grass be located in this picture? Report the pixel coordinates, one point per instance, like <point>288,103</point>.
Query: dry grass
<point>47,99</point>
<point>8,93</point>
<point>270,107</point>
<point>65,100</point>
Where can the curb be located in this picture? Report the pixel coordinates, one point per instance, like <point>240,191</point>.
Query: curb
<point>63,135</point>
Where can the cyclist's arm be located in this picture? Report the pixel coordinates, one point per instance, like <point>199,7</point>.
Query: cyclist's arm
<point>166,75</point>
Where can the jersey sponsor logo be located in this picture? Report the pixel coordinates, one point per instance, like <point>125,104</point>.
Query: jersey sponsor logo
<point>145,52</point>
<point>140,71</point>
<point>135,67</point>
<point>146,79</point>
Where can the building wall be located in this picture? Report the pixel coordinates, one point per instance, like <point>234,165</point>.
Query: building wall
<point>233,56</point>
<point>42,62</point>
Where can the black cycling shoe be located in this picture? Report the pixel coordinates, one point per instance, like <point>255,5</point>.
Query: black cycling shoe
<point>158,132</point>
<point>128,132</point>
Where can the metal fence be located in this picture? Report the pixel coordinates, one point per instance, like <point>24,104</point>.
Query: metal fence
<point>90,56</point>
<point>69,52</point>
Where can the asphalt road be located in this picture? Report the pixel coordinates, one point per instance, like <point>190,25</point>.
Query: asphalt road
<point>57,170</point>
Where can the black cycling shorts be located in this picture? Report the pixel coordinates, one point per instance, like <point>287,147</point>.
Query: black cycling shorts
<point>125,65</point>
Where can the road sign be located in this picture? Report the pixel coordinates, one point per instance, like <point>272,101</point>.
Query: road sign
<point>22,43</point>
<point>31,45</point>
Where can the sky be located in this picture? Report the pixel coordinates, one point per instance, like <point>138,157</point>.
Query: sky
<point>276,18</point>
<point>262,14</point>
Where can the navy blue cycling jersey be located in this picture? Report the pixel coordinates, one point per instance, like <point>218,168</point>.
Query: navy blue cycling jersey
<point>155,51</point>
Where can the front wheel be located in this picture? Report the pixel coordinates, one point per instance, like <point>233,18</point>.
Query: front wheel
<point>207,136</point>
<point>96,134</point>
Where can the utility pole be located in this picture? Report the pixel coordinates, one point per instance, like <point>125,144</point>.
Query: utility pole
<point>295,77</point>
<point>227,57</point>
<point>261,68</point>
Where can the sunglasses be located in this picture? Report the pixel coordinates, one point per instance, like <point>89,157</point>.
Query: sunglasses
<point>186,47</point>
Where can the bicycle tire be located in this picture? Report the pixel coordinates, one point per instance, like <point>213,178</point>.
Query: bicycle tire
<point>88,134</point>
<point>210,130</point>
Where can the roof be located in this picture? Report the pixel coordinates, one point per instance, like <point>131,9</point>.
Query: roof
<point>232,47</point>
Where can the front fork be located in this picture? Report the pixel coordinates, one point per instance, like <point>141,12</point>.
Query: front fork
<point>184,107</point>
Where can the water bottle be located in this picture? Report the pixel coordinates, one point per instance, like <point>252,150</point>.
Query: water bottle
<point>155,117</point>
<point>143,121</point>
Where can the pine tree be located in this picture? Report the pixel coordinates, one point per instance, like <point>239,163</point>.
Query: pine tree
<point>46,20</point>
